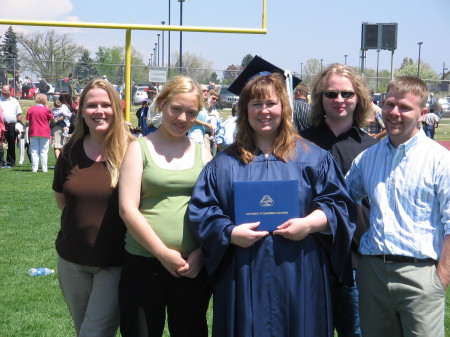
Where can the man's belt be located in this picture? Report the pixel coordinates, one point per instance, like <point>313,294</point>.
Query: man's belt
<point>402,259</point>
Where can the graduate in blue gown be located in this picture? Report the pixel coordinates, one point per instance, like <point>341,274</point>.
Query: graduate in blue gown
<point>272,284</point>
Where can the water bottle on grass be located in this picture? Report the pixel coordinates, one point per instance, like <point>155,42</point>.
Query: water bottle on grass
<point>40,271</point>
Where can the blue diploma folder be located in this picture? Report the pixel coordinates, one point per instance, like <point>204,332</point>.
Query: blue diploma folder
<point>269,202</point>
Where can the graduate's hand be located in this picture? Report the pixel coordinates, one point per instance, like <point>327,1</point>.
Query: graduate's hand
<point>245,236</point>
<point>194,264</point>
<point>172,261</point>
<point>295,229</point>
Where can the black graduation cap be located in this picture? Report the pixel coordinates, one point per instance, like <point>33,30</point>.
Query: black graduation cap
<point>257,66</point>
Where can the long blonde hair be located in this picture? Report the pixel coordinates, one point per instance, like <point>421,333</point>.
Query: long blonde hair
<point>363,109</point>
<point>244,146</point>
<point>117,137</point>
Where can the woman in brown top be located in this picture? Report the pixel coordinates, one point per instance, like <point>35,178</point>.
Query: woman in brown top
<point>90,243</point>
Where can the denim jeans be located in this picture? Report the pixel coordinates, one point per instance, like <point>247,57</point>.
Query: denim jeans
<point>429,131</point>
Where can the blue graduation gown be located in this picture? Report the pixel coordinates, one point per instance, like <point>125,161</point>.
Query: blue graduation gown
<point>277,287</point>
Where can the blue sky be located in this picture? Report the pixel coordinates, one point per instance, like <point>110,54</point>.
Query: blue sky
<point>298,30</point>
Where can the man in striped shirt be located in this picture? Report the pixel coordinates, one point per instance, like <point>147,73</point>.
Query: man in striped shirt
<point>405,268</point>
<point>301,108</point>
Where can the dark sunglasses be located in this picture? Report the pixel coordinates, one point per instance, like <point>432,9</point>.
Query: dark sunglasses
<point>335,94</point>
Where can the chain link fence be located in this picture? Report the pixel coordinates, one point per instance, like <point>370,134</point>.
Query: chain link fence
<point>53,70</point>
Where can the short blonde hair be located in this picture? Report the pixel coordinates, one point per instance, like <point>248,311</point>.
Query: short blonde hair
<point>41,99</point>
<point>412,85</point>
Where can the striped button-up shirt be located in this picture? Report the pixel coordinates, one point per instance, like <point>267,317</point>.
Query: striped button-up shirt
<point>409,191</point>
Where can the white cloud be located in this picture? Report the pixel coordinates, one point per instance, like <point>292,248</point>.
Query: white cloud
<point>36,10</point>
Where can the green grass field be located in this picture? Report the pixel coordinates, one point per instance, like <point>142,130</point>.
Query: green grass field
<point>34,306</point>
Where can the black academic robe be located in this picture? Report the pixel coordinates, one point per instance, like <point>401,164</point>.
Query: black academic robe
<point>276,287</point>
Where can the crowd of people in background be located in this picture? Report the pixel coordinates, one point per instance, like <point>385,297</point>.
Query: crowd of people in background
<point>148,225</point>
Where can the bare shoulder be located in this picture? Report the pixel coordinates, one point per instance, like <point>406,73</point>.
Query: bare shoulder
<point>206,154</point>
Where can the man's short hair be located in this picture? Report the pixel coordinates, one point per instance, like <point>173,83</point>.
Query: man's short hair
<point>214,93</point>
<point>410,85</point>
<point>302,89</point>
<point>152,88</point>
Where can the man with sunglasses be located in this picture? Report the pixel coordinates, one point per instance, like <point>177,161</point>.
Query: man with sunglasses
<point>405,267</point>
<point>340,106</point>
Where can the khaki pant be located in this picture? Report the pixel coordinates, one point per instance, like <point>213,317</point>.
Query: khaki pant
<point>92,295</point>
<point>400,299</point>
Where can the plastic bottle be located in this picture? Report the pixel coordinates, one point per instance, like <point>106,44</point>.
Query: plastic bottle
<point>40,271</point>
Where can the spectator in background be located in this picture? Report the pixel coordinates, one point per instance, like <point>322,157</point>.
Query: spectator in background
<point>26,86</point>
<point>437,109</point>
<point>17,84</point>
<point>90,243</point>
<point>431,99</point>
<point>38,118</point>
<point>141,115</point>
<point>405,265</point>
<point>43,87</point>
<point>340,105</point>
<point>2,131</point>
<point>301,108</point>
<point>58,129</point>
<point>12,113</point>
<point>75,103</point>
<point>70,85</point>
<point>153,116</point>
<point>3,76</point>
<point>227,130</point>
<point>374,125</point>
<point>198,130</point>
<point>430,122</point>
<point>213,120</point>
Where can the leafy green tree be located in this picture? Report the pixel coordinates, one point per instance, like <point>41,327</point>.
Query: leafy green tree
<point>407,61</point>
<point>9,50</point>
<point>195,66</point>
<point>246,60</point>
<point>230,74</point>
<point>85,68</point>
<point>310,69</point>
<point>111,63</point>
<point>214,77</point>
<point>49,55</point>
<point>411,70</point>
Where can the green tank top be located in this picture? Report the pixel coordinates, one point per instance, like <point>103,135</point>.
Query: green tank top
<point>165,195</point>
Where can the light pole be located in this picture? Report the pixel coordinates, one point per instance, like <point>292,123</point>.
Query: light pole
<point>158,48</point>
<point>418,63</point>
<point>321,62</point>
<point>378,62</point>
<point>301,71</point>
<point>154,53</point>
<point>162,55</point>
<point>168,48</point>
<point>443,70</point>
<point>345,59</point>
<point>181,35</point>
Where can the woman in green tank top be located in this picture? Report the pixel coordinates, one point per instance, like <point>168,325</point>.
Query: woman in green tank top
<point>163,269</point>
